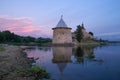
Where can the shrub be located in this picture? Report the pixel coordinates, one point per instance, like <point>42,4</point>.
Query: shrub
<point>35,71</point>
<point>39,72</point>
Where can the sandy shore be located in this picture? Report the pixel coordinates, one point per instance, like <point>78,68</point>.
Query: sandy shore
<point>12,59</point>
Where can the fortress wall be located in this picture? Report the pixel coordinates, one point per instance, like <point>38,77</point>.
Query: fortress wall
<point>62,35</point>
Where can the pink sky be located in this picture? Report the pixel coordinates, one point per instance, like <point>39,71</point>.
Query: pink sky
<point>24,26</point>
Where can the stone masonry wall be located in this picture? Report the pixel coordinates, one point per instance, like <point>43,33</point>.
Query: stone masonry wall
<point>62,35</point>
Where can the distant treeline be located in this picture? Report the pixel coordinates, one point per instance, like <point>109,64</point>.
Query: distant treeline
<point>7,36</point>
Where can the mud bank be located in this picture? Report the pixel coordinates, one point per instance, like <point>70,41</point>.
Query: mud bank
<point>13,59</point>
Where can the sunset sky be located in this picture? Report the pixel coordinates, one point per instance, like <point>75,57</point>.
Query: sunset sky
<point>37,17</point>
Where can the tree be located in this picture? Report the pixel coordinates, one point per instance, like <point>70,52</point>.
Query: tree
<point>91,33</point>
<point>78,33</point>
<point>43,40</point>
<point>7,36</point>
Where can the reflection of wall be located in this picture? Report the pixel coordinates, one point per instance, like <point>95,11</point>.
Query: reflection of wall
<point>62,54</point>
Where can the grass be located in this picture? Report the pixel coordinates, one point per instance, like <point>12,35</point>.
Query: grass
<point>35,71</point>
<point>1,48</point>
<point>39,72</point>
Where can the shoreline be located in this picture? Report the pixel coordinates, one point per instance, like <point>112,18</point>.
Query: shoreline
<point>11,60</point>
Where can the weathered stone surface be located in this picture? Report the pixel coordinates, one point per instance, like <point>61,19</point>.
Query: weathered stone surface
<point>62,35</point>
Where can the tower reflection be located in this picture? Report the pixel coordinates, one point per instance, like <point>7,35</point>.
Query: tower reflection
<point>62,56</point>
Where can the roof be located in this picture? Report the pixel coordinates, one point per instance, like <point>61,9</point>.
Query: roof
<point>61,23</point>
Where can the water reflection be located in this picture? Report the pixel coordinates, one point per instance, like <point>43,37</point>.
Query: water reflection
<point>62,56</point>
<point>79,55</point>
<point>44,48</point>
<point>68,63</point>
<point>85,53</point>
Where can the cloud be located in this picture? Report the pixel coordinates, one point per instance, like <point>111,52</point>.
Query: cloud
<point>23,26</point>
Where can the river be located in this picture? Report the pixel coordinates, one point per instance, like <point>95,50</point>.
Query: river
<point>81,63</point>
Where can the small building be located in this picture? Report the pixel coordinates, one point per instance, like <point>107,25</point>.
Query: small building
<point>62,33</point>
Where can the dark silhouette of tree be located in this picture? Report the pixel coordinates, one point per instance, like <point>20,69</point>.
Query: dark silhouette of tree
<point>79,55</point>
<point>91,33</point>
<point>7,36</point>
<point>43,40</point>
<point>78,33</point>
<point>79,52</point>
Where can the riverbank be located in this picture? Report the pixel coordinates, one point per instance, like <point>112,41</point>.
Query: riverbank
<point>11,60</point>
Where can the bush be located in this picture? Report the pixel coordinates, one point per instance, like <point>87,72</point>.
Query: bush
<point>39,72</point>
<point>34,71</point>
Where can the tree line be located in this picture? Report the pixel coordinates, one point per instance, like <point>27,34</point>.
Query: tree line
<point>7,36</point>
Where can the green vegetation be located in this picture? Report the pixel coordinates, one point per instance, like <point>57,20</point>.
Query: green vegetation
<point>91,56</point>
<point>39,72</point>
<point>1,48</point>
<point>8,37</point>
<point>34,71</point>
<point>79,34</point>
<point>85,38</point>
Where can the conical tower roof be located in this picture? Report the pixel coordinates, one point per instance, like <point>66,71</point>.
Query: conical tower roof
<point>61,23</point>
<point>61,67</point>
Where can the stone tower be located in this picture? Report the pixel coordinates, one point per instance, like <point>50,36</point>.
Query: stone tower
<point>62,33</point>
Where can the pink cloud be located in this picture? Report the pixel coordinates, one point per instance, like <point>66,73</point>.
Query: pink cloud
<point>23,26</point>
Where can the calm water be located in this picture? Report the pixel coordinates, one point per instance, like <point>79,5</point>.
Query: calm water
<point>82,63</point>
